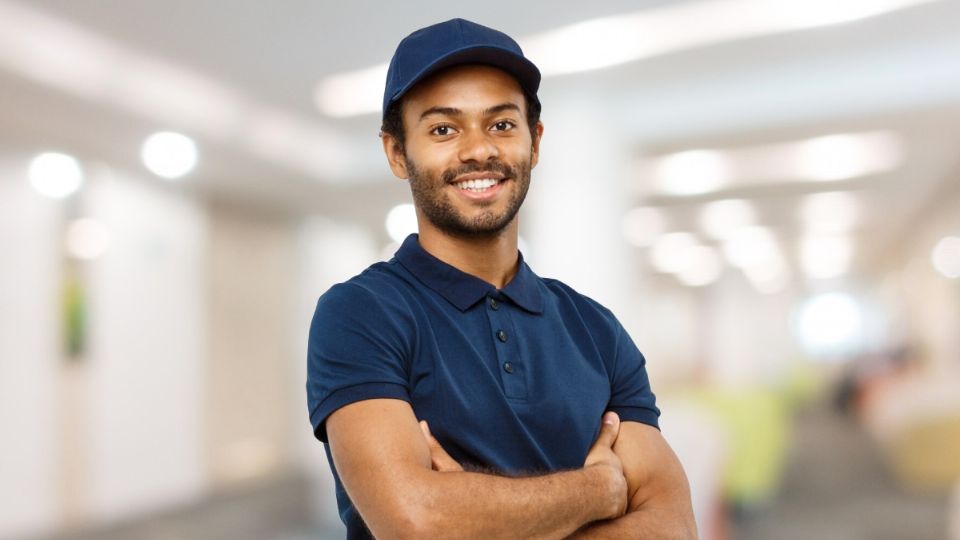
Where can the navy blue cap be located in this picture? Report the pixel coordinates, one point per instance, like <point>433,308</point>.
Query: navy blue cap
<point>453,43</point>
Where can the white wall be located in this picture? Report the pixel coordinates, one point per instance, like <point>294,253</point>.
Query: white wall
<point>251,284</point>
<point>147,355</point>
<point>29,354</point>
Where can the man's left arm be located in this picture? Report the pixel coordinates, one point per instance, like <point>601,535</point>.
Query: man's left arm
<point>659,495</point>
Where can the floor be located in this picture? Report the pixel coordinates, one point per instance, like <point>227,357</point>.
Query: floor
<point>836,488</point>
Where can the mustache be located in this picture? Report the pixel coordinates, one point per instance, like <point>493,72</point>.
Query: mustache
<point>492,166</point>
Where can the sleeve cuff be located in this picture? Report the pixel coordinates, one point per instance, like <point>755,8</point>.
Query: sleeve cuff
<point>352,394</point>
<point>651,417</point>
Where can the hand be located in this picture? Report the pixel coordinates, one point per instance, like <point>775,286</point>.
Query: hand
<point>440,460</point>
<point>602,456</point>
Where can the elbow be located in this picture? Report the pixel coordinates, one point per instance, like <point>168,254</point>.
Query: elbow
<point>410,522</point>
<point>411,526</point>
<point>412,509</point>
<point>425,522</point>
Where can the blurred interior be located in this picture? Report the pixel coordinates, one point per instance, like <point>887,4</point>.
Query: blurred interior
<point>766,193</point>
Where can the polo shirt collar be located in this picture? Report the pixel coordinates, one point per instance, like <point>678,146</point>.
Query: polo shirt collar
<point>462,289</point>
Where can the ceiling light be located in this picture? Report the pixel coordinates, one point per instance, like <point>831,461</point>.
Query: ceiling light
<point>825,257</point>
<point>751,246</point>
<point>844,156</point>
<point>813,13</point>
<point>830,212</point>
<point>755,251</point>
<point>719,219</point>
<point>641,226</point>
<point>55,175</point>
<point>169,155</point>
<point>87,239</point>
<point>589,45</point>
<point>401,222</point>
<point>768,277</point>
<point>692,172</point>
<point>702,267</point>
<point>352,93</point>
<point>831,157</point>
<point>945,257</point>
<point>670,253</point>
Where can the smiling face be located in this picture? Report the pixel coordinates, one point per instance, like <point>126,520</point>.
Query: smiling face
<point>468,151</point>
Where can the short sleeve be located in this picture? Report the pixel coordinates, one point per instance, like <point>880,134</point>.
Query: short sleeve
<point>631,396</point>
<point>355,352</point>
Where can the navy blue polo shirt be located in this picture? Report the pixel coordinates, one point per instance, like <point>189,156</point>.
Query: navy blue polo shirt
<point>513,381</point>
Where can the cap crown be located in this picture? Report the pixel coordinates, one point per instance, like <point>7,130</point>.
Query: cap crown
<point>451,43</point>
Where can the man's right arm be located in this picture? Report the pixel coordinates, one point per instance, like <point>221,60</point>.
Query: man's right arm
<point>384,463</point>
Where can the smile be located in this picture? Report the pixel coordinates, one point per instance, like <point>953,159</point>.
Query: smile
<point>477,185</point>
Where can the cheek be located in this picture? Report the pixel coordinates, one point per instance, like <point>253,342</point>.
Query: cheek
<point>432,158</point>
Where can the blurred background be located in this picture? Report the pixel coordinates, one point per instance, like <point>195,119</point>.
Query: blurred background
<point>766,193</point>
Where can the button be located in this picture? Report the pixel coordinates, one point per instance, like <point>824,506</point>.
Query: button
<point>508,367</point>
<point>502,336</point>
<point>494,304</point>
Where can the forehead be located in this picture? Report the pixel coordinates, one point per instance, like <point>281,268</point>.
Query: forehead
<point>465,87</point>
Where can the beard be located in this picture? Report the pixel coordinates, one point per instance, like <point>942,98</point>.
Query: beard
<point>430,197</point>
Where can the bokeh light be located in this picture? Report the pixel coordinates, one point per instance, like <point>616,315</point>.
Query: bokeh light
<point>55,175</point>
<point>169,155</point>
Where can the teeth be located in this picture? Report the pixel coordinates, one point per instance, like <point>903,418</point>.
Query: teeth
<point>479,184</point>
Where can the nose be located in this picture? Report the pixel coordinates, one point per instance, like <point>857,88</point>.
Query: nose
<point>477,145</point>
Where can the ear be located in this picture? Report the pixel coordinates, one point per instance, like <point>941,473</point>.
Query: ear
<point>395,156</point>
<point>535,144</point>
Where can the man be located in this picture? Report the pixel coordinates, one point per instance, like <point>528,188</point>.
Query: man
<point>536,418</point>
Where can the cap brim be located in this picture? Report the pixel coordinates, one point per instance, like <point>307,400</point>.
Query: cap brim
<point>522,69</point>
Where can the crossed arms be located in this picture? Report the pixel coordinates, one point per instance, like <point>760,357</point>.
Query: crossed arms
<point>405,485</point>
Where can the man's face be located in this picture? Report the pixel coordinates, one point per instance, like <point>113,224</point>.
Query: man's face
<point>469,151</point>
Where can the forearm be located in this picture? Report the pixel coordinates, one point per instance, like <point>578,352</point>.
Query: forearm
<point>652,524</point>
<point>403,489</point>
<point>474,505</point>
<point>660,506</point>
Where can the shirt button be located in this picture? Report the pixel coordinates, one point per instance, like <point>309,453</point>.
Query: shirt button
<point>502,336</point>
<point>494,304</point>
<point>508,367</point>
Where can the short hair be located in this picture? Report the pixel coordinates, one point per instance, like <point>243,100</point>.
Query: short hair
<point>393,120</point>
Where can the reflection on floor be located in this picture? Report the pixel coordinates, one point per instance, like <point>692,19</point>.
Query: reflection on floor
<point>836,488</point>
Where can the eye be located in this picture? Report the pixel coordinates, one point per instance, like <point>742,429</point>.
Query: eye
<point>504,125</point>
<point>442,130</point>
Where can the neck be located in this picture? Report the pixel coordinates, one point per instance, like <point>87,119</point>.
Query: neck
<point>492,259</point>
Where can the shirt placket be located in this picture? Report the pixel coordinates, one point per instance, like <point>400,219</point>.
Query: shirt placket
<point>505,340</point>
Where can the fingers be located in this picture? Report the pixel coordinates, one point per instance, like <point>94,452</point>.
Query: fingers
<point>439,458</point>
<point>609,429</point>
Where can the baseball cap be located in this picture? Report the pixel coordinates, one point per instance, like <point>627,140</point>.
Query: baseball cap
<point>452,43</point>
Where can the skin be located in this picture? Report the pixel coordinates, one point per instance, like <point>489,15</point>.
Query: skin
<point>465,121</point>
<point>440,140</point>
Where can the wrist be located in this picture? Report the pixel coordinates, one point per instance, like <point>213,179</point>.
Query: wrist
<point>609,491</point>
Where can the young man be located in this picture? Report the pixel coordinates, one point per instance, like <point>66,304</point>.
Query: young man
<point>460,395</point>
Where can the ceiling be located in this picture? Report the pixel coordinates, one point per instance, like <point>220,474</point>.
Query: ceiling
<point>898,72</point>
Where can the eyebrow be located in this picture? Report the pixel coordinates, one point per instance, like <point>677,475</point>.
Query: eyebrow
<point>453,111</point>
